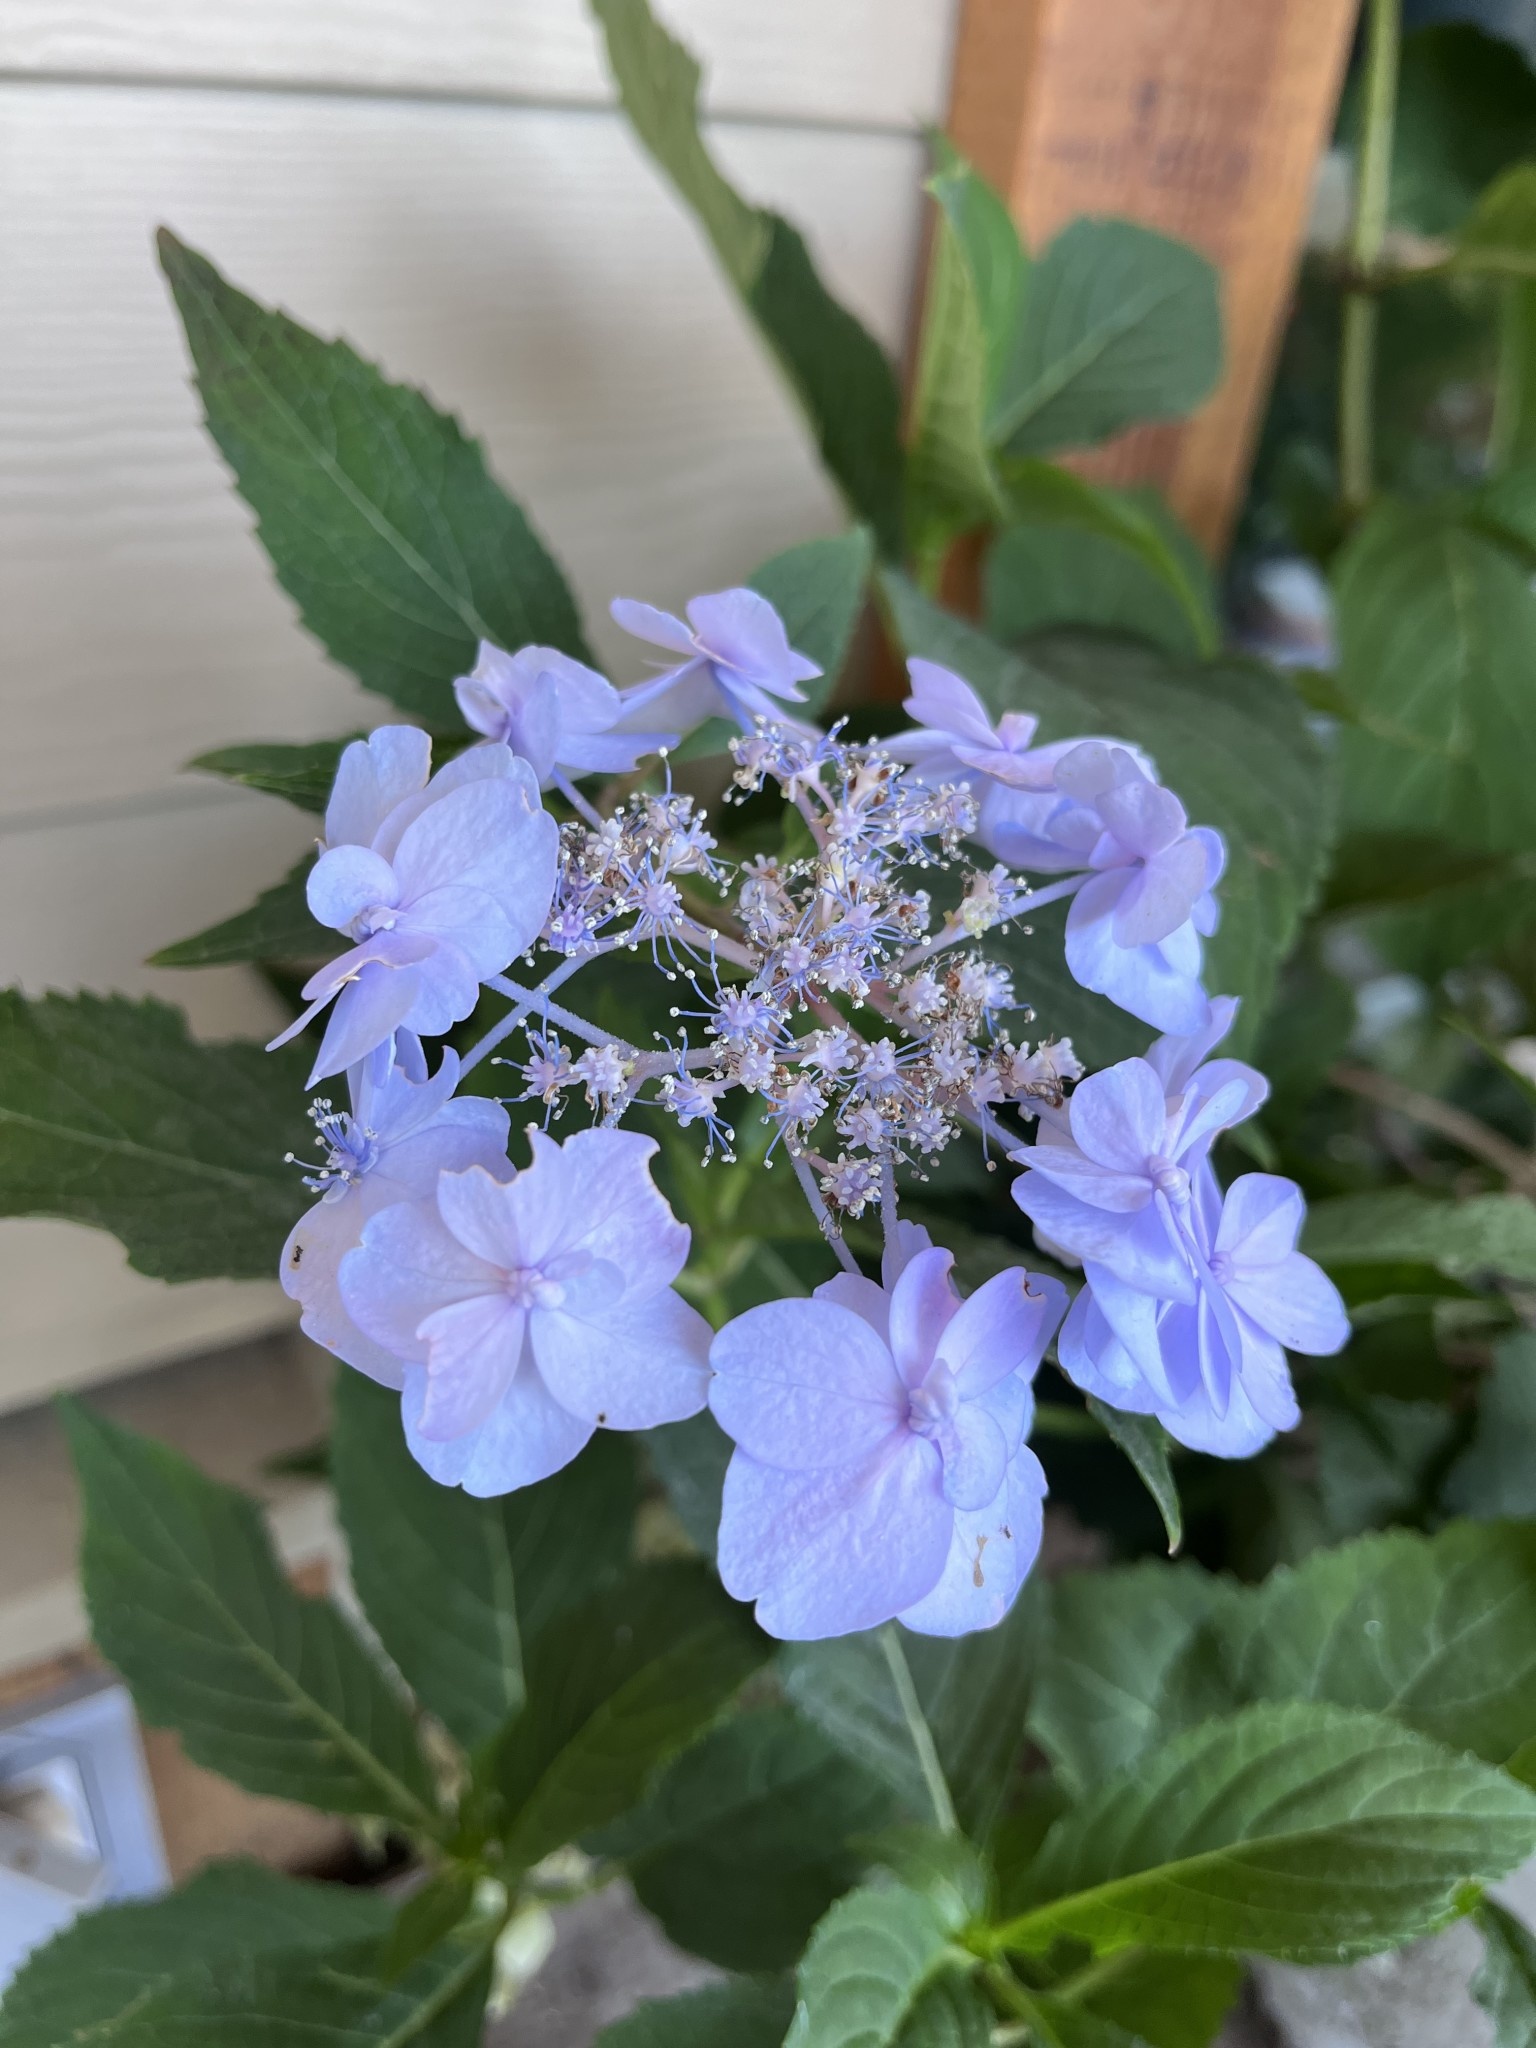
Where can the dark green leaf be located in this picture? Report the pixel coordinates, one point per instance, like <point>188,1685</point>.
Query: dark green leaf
<point>1512,437</point>
<point>1169,2001</point>
<point>973,1692</point>
<point>188,1601</point>
<point>428,1916</point>
<point>745,2014</point>
<point>1496,1475</point>
<point>1437,656</point>
<point>868,1963</point>
<point>745,1841</point>
<point>93,1980</point>
<point>615,1689</point>
<point>1484,1235</point>
<point>277,926</point>
<point>690,1460</point>
<point>1377,1459</point>
<point>841,376</point>
<point>1499,237</point>
<point>303,774</point>
<point>1059,2023</point>
<point>1231,739</point>
<point>1466,109</point>
<point>1297,1831</point>
<point>1438,1631</point>
<point>452,1584</point>
<point>1120,325</point>
<point>1145,1442</point>
<point>382,521</point>
<point>818,590</point>
<point>951,2013</point>
<point>1127,1667</point>
<point>1505,1984</point>
<point>111,1115</point>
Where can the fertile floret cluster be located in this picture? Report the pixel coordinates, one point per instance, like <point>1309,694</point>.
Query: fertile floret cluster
<point>847,991</point>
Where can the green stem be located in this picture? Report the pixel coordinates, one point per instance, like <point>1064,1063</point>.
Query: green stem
<point>1373,178</point>
<point>921,1734</point>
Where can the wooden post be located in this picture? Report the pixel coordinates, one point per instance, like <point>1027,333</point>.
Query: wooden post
<point>1204,118</point>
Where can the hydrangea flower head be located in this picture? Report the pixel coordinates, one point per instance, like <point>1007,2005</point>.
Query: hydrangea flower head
<point>736,659</point>
<point>880,1467</point>
<point>954,739</point>
<point>1134,929</point>
<point>557,714</point>
<point>438,884</point>
<point>1212,1367</point>
<point>403,1130</point>
<point>528,1312</point>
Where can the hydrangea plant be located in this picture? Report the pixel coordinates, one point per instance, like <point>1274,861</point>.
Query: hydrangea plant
<point>772,1153</point>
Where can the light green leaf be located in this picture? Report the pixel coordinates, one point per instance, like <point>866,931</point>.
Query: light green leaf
<point>264,1687</point>
<point>1437,1631</point>
<point>615,1689</point>
<point>1483,1236</point>
<point>1297,1831</point>
<point>450,1583</point>
<point>951,2013</point>
<point>945,1868</point>
<point>746,1839</point>
<point>1505,1984</point>
<point>383,523</point>
<point>1127,1666</point>
<point>277,926</point>
<point>1120,325</point>
<point>1079,555</point>
<point>1498,239</point>
<point>973,1692</point>
<point>302,774</point>
<point>818,590</point>
<point>111,1115</point>
<point>1496,1474</point>
<point>749,2013</point>
<point>868,1963</point>
<point>1145,1442</point>
<point>975,282</point>
<point>1231,739</point>
<point>838,372</point>
<point>1437,657</point>
<point>1058,2023</point>
<point>94,1980</point>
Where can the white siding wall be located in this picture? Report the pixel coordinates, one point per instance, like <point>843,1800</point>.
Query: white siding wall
<point>445,182</point>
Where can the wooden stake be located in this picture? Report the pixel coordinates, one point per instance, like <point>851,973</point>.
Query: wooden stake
<point>1204,118</point>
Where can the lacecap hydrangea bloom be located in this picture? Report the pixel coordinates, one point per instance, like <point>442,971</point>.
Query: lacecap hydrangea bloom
<point>851,1002</point>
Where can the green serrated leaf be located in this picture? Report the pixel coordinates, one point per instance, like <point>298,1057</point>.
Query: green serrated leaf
<point>1298,1831</point>
<point>1437,1631</point>
<point>188,1601</point>
<point>950,2014</point>
<point>1486,1235</point>
<point>818,590</point>
<point>945,1868</point>
<point>1077,555</point>
<point>1120,325</point>
<point>1496,1474</point>
<point>1128,1667</point>
<point>1231,739</point>
<point>838,372</point>
<point>302,774</point>
<point>111,1115</point>
<point>615,1689</point>
<point>1505,1983</point>
<point>95,1980</point>
<point>1168,2001</point>
<point>747,1839</point>
<point>452,1584</point>
<point>748,2013</point>
<point>1437,657</point>
<point>869,1962</point>
<point>382,521</point>
<point>1145,1442</point>
<point>973,1692</point>
<point>277,926</point>
<point>1058,2023</point>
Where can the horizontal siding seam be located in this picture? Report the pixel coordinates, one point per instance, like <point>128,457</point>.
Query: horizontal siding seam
<point>436,96</point>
